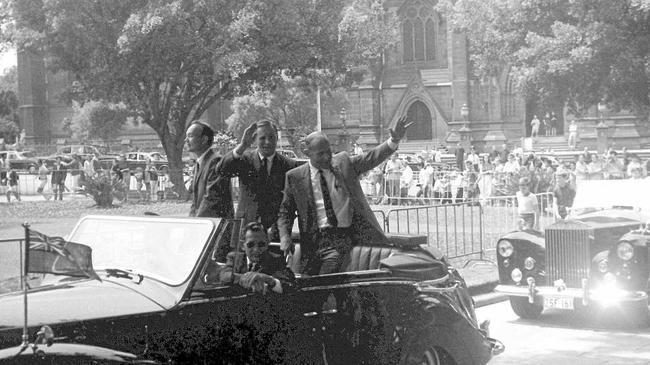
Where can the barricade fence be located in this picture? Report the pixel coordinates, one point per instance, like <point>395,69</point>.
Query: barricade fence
<point>464,230</point>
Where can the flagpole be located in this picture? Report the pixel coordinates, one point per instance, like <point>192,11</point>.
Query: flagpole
<point>25,263</point>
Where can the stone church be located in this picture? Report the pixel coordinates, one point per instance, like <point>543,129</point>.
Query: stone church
<point>427,76</point>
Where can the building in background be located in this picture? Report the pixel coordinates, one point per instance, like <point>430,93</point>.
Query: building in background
<point>427,76</point>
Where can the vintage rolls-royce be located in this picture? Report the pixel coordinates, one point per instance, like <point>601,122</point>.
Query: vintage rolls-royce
<point>153,303</point>
<point>596,259</point>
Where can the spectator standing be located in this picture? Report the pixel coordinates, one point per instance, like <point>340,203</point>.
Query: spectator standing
<point>42,177</point>
<point>139,183</point>
<point>153,180</point>
<point>13,185</point>
<point>163,182</point>
<point>595,168</point>
<point>474,158</point>
<point>405,182</point>
<point>505,152</point>
<point>460,156</point>
<point>527,205</point>
<point>393,172</point>
<point>563,195</point>
<point>546,122</point>
<point>553,123</point>
<point>587,155</point>
<point>582,169</point>
<point>89,169</point>
<point>512,165</point>
<point>426,180</point>
<point>573,135</point>
<point>59,174</point>
<point>534,126</point>
<point>4,169</point>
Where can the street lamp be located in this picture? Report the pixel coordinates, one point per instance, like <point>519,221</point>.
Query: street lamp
<point>343,116</point>
<point>464,130</point>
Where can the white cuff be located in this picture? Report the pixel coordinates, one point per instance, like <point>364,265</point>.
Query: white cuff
<point>393,146</point>
<point>235,154</point>
<point>278,286</point>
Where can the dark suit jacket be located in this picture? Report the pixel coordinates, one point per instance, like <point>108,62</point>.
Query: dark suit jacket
<point>260,195</point>
<point>210,192</point>
<point>271,264</point>
<point>299,197</point>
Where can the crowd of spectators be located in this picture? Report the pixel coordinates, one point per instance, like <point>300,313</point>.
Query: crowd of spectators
<point>424,179</point>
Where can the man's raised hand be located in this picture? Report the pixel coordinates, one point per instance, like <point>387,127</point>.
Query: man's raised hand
<point>247,139</point>
<point>401,126</point>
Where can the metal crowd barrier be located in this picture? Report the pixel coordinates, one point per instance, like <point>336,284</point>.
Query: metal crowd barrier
<point>468,229</point>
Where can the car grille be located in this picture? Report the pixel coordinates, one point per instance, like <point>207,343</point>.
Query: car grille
<point>567,253</point>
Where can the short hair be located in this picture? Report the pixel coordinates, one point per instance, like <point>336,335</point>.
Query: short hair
<point>255,227</point>
<point>524,181</point>
<point>206,130</point>
<point>267,123</point>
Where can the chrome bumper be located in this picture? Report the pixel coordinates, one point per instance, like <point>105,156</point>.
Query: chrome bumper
<point>536,294</point>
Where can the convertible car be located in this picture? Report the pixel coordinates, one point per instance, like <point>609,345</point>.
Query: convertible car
<point>596,260</point>
<point>153,303</point>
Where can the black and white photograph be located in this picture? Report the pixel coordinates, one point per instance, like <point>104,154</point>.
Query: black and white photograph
<point>332,182</point>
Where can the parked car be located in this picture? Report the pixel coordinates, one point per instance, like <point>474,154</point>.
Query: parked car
<point>22,160</point>
<point>399,304</point>
<point>596,259</point>
<point>139,159</point>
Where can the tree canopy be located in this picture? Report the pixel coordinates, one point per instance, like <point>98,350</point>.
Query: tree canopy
<point>97,119</point>
<point>580,52</point>
<point>169,60</point>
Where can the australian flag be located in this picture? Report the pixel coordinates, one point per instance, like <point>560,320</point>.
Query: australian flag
<point>54,255</point>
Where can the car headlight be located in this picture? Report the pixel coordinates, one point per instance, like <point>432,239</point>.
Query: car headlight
<point>516,275</point>
<point>505,248</point>
<point>602,266</point>
<point>625,251</point>
<point>529,263</point>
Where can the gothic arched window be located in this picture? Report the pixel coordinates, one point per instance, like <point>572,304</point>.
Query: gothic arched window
<point>420,29</point>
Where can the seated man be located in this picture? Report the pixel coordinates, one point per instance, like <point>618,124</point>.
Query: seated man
<point>260,270</point>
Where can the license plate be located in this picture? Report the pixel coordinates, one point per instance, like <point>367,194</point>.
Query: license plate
<point>558,302</point>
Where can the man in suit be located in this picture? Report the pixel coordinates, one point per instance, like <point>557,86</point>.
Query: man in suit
<point>261,175</point>
<point>332,209</point>
<point>260,270</point>
<point>210,192</point>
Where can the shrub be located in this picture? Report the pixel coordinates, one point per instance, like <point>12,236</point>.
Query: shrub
<point>104,189</point>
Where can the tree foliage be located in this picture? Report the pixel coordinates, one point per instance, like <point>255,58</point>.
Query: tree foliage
<point>169,60</point>
<point>97,120</point>
<point>580,52</point>
<point>291,105</point>
<point>9,129</point>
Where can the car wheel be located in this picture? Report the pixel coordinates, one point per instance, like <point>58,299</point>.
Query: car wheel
<point>525,309</point>
<point>429,356</point>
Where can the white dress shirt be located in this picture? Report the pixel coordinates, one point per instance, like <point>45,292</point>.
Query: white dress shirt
<point>338,194</point>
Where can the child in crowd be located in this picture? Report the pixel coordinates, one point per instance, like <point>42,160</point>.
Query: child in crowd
<point>13,185</point>
<point>139,183</point>
<point>527,205</point>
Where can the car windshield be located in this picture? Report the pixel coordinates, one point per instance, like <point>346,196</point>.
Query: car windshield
<point>28,154</point>
<point>596,194</point>
<point>160,248</point>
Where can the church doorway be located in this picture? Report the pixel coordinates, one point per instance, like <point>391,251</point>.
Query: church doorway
<point>421,129</point>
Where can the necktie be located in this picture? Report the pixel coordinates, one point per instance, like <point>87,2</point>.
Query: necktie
<point>327,199</point>
<point>265,166</point>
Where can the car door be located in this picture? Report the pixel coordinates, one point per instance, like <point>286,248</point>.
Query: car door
<point>225,323</point>
<point>360,321</point>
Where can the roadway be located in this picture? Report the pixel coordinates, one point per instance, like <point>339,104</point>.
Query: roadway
<point>563,338</point>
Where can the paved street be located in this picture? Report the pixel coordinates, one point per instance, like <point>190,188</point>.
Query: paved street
<point>562,338</point>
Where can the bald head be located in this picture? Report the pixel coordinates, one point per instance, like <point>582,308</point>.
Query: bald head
<point>317,148</point>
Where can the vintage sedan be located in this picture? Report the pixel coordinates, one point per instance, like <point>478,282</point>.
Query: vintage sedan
<point>596,259</point>
<point>21,160</point>
<point>399,304</point>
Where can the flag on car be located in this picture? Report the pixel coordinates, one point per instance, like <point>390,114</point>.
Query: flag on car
<point>54,255</point>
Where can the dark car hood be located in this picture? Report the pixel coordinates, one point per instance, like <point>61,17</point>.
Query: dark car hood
<point>76,301</point>
<point>64,351</point>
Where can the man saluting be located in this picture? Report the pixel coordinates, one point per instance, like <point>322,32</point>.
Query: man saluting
<point>332,209</point>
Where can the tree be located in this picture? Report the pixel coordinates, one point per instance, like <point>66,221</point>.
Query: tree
<point>291,105</point>
<point>97,119</point>
<point>9,127</point>
<point>169,60</point>
<point>580,52</point>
